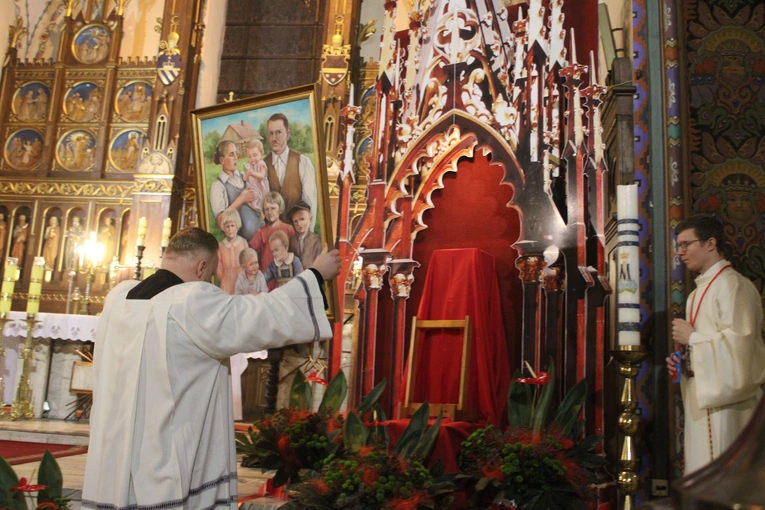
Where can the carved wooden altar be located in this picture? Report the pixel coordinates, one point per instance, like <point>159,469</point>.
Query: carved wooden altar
<point>467,80</point>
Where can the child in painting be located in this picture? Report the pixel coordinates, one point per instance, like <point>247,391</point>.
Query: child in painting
<point>273,207</point>
<point>306,245</point>
<point>255,174</point>
<point>251,279</point>
<point>229,250</point>
<point>285,265</point>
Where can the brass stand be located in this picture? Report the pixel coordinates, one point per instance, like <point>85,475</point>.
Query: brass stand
<point>630,357</point>
<point>90,273</point>
<point>22,405</point>
<point>3,321</point>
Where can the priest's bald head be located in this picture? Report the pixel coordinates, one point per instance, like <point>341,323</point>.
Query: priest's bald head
<point>192,255</point>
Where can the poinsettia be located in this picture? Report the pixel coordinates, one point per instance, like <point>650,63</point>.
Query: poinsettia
<point>536,463</point>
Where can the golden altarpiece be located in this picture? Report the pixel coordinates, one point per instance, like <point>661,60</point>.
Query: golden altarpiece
<point>89,145</point>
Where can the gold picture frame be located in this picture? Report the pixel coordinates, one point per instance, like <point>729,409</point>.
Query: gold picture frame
<point>242,127</point>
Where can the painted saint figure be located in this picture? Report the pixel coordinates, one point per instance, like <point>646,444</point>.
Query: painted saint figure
<point>20,234</point>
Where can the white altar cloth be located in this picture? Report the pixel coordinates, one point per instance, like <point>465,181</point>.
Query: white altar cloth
<point>58,326</point>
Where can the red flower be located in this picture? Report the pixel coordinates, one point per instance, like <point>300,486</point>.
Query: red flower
<point>493,470</point>
<point>541,379</point>
<point>23,486</point>
<point>283,445</point>
<point>369,476</point>
<point>413,502</point>
<point>313,377</point>
<point>320,486</point>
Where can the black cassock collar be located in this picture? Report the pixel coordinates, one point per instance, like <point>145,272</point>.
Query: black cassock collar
<point>154,284</point>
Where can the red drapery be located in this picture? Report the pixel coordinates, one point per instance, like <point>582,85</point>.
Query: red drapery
<point>463,282</point>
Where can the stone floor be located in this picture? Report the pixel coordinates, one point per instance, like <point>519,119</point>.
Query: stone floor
<point>73,467</point>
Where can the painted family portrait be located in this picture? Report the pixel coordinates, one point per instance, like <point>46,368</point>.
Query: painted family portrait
<point>263,175</point>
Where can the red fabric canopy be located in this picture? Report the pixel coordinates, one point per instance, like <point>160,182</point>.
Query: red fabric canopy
<point>463,282</point>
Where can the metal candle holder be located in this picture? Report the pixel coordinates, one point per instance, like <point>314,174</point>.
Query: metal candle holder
<point>3,321</point>
<point>630,357</point>
<point>138,256</point>
<point>22,404</point>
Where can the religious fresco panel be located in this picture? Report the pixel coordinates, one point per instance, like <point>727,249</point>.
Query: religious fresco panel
<point>125,150</point>
<point>30,102</point>
<point>91,44</point>
<point>82,102</point>
<point>75,150</point>
<point>133,101</point>
<point>23,149</point>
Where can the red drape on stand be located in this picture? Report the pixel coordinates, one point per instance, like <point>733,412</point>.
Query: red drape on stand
<point>463,282</point>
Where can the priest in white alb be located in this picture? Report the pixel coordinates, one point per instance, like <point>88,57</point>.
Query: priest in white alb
<point>161,427</point>
<point>725,364</point>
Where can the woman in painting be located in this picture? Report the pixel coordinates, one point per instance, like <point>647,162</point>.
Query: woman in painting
<point>50,245</point>
<point>228,191</point>
<point>20,234</point>
<point>28,107</point>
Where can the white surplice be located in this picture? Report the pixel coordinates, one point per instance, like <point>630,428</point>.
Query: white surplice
<point>728,361</point>
<point>161,428</point>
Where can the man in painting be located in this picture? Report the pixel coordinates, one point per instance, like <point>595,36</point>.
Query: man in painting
<point>161,428</point>
<point>290,173</point>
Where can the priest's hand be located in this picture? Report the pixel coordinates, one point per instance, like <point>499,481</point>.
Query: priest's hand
<point>681,331</point>
<point>327,264</point>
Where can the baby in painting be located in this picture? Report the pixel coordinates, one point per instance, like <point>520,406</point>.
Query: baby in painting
<point>255,174</point>
<point>229,250</point>
<point>251,280</point>
<point>285,265</point>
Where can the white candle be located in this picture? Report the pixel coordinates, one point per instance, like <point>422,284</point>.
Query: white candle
<point>167,226</point>
<point>628,265</point>
<point>9,282</point>
<point>141,239</point>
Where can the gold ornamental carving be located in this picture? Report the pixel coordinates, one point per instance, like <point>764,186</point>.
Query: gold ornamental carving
<point>531,268</point>
<point>401,284</point>
<point>372,275</point>
<point>86,189</point>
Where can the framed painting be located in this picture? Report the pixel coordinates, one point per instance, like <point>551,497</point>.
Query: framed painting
<point>262,188</point>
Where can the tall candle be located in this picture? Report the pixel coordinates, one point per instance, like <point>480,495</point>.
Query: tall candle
<point>35,286</point>
<point>167,226</point>
<point>628,265</point>
<point>9,281</point>
<point>141,240</point>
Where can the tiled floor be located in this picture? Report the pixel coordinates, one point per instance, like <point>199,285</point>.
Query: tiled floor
<point>73,467</point>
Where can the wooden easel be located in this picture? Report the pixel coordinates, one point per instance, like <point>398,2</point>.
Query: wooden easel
<point>456,412</point>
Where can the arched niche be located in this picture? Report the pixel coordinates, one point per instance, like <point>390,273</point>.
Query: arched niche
<point>4,232</point>
<point>21,232</point>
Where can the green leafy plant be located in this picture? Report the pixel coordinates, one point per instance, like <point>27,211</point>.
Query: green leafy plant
<point>370,476</point>
<point>296,438</point>
<point>537,463</point>
<point>15,492</point>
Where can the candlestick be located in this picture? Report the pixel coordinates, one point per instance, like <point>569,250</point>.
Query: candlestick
<point>9,281</point>
<point>35,286</point>
<point>628,277</point>
<point>22,404</point>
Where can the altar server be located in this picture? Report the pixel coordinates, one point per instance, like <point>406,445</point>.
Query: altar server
<point>725,364</point>
<point>161,428</point>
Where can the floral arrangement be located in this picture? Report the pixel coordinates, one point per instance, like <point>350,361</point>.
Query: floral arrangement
<point>535,464</point>
<point>15,492</point>
<point>369,476</point>
<point>296,438</point>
